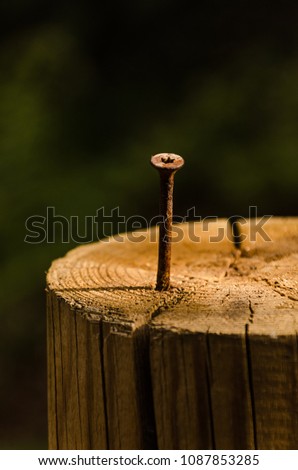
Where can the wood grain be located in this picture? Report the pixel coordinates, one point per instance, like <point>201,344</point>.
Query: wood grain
<point>211,363</point>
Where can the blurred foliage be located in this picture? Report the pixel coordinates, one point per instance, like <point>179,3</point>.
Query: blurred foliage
<point>87,96</point>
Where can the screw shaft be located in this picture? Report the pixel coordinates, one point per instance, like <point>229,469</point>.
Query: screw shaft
<point>165,231</point>
<point>167,164</point>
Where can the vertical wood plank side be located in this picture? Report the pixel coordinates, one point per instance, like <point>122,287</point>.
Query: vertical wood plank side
<point>72,412</point>
<point>144,387</point>
<point>51,377</point>
<point>75,389</point>
<point>90,386</point>
<point>230,392</point>
<point>125,427</point>
<point>81,366</point>
<point>62,437</point>
<point>274,374</point>
<point>180,390</point>
<point>97,404</point>
<point>162,423</point>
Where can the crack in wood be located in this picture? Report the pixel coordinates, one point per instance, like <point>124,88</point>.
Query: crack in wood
<point>251,385</point>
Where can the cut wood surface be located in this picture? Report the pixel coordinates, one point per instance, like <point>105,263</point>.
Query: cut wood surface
<point>209,364</point>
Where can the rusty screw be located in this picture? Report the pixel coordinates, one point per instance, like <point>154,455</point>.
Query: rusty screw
<point>167,164</point>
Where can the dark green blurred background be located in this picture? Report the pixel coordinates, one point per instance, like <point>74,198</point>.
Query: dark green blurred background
<point>88,93</point>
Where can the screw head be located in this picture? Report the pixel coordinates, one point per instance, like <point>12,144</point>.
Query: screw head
<point>167,161</point>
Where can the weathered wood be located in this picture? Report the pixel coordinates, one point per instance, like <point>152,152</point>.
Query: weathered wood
<point>76,406</point>
<point>128,407</point>
<point>212,363</point>
<point>181,391</point>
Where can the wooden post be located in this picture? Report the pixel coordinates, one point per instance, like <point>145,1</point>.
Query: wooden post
<point>210,364</point>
